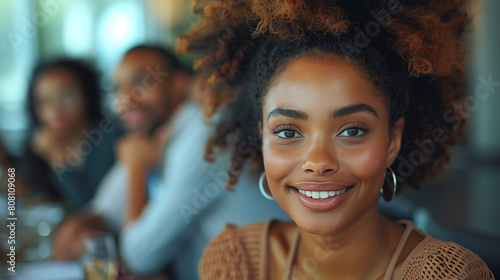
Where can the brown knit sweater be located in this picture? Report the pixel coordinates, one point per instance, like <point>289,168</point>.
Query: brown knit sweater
<point>240,253</point>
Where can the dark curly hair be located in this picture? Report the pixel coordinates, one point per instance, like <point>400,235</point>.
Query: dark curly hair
<point>87,77</point>
<point>410,49</point>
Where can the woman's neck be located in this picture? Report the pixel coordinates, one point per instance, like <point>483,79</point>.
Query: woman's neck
<point>362,251</point>
<point>59,146</point>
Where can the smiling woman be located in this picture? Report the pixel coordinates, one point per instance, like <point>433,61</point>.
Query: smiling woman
<point>339,93</point>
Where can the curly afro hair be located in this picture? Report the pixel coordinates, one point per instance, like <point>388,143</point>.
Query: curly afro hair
<point>410,49</point>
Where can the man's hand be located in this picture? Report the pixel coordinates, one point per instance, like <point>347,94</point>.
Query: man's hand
<point>141,151</point>
<point>139,154</point>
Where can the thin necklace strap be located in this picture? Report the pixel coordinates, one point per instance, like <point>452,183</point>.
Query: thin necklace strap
<point>265,271</point>
<point>291,256</point>
<point>402,242</point>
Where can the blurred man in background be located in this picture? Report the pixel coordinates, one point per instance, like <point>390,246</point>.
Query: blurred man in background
<point>150,87</point>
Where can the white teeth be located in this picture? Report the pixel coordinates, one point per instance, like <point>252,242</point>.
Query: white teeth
<point>321,195</point>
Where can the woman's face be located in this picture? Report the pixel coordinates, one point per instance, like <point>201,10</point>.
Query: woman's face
<point>59,102</point>
<point>326,142</point>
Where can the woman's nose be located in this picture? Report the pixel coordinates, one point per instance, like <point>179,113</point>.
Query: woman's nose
<point>321,159</point>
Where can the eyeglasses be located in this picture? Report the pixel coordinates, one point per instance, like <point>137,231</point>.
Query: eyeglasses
<point>66,100</point>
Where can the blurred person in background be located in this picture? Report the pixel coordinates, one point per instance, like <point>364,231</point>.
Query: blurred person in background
<point>150,84</point>
<point>71,143</point>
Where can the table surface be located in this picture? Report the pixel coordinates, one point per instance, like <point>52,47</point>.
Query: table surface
<point>52,270</point>
<point>49,270</point>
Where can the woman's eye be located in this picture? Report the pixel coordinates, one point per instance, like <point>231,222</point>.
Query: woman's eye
<point>286,134</point>
<point>138,80</point>
<point>67,100</point>
<point>352,132</point>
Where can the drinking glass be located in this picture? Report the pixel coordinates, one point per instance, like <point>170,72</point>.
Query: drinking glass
<point>100,260</point>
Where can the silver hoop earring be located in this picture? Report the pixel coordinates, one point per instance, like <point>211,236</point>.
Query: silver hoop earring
<point>389,192</point>
<point>261,187</point>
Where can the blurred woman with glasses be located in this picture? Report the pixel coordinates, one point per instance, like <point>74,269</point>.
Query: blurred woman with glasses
<point>70,143</point>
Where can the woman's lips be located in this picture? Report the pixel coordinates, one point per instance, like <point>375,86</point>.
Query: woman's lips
<point>322,198</point>
<point>134,118</point>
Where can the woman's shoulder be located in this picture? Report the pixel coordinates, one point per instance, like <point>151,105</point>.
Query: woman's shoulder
<point>444,260</point>
<point>236,252</point>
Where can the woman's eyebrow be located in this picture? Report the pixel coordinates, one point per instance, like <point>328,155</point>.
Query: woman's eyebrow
<point>351,109</point>
<point>291,113</point>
